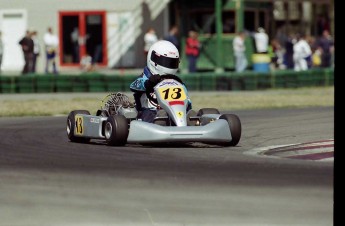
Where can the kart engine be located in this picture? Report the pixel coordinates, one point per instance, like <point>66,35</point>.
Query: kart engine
<point>119,104</point>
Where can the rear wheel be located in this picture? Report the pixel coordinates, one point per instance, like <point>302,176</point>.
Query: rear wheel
<point>204,111</point>
<point>116,130</point>
<point>71,122</point>
<point>235,128</point>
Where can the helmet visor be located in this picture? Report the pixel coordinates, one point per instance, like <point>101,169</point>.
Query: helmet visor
<point>164,61</point>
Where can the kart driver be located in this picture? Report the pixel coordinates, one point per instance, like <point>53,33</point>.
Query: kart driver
<point>163,58</point>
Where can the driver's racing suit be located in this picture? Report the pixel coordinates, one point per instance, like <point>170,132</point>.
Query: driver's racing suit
<point>147,109</point>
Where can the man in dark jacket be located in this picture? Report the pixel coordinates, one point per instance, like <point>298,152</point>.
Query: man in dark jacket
<point>326,44</point>
<point>28,50</point>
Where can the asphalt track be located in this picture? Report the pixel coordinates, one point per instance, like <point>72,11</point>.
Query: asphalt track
<point>47,180</point>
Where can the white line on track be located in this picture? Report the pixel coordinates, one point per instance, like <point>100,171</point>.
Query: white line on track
<point>295,151</point>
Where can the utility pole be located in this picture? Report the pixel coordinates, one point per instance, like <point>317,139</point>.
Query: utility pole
<point>219,37</point>
<point>239,15</point>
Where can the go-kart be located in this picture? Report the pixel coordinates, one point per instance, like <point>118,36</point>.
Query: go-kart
<point>117,121</point>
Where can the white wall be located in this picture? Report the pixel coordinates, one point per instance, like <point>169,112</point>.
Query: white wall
<point>123,29</point>
<point>124,19</point>
<point>13,25</point>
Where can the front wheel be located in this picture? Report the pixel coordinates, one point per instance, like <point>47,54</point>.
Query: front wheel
<point>71,122</point>
<point>116,130</point>
<point>235,128</point>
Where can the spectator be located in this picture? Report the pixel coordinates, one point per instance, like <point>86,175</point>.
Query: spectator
<point>86,63</point>
<point>173,36</point>
<point>1,49</point>
<point>75,44</point>
<point>51,43</point>
<point>28,50</point>
<point>192,50</point>
<point>316,58</point>
<point>239,47</point>
<point>301,51</point>
<point>277,53</point>
<point>36,51</point>
<point>261,41</point>
<point>288,56</point>
<point>311,42</point>
<point>326,44</point>
<point>149,39</point>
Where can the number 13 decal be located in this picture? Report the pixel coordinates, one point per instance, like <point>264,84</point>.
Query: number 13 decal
<point>79,125</point>
<point>172,93</point>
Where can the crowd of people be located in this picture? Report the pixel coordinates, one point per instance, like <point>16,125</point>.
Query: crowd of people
<point>31,51</point>
<point>301,52</point>
<point>298,51</point>
<point>31,48</point>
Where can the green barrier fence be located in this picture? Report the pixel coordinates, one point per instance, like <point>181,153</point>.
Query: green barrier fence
<point>64,83</point>
<point>204,81</point>
<point>45,84</point>
<point>25,84</point>
<point>114,83</point>
<point>7,84</point>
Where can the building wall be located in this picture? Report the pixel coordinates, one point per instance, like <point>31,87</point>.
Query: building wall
<point>124,23</point>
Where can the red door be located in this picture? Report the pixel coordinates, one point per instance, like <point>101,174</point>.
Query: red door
<point>81,34</point>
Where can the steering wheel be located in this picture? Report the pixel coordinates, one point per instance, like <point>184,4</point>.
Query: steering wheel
<point>151,95</point>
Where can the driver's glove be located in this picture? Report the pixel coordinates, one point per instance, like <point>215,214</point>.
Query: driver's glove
<point>152,81</point>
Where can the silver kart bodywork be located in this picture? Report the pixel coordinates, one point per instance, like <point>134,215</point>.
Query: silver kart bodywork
<point>117,121</point>
<point>211,129</point>
<point>143,132</point>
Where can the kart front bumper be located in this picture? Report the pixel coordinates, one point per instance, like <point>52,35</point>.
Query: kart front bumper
<point>143,132</point>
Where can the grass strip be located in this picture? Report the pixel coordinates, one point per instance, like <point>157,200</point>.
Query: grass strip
<point>35,105</point>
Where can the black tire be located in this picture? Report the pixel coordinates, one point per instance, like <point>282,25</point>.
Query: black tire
<point>204,111</point>
<point>235,128</point>
<point>71,126</point>
<point>102,113</point>
<point>116,130</point>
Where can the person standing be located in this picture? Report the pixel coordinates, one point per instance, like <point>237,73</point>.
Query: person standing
<point>261,41</point>
<point>36,51</point>
<point>149,39</point>
<point>1,49</point>
<point>301,50</point>
<point>51,43</point>
<point>288,56</point>
<point>27,45</point>
<point>326,45</point>
<point>239,47</point>
<point>173,36</point>
<point>192,50</point>
<point>75,43</point>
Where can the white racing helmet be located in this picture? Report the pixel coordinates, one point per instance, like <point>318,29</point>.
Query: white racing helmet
<point>163,58</point>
